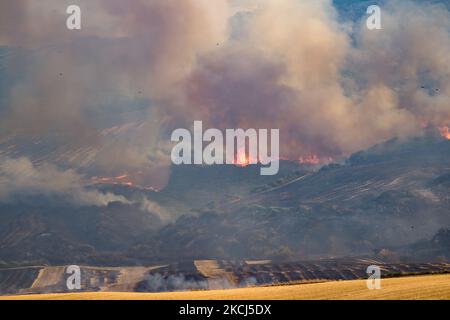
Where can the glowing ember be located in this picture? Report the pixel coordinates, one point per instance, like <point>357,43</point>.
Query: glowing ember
<point>119,180</point>
<point>242,160</point>
<point>445,132</point>
<point>128,180</point>
<point>311,159</point>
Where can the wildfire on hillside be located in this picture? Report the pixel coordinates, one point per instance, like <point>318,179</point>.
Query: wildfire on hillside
<point>314,160</point>
<point>311,159</point>
<point>122,180</point>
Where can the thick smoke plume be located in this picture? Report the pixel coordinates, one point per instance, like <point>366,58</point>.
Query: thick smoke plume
<point>139,69</point>
<point>20,178</point>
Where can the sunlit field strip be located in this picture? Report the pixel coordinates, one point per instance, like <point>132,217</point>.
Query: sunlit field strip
<point>406,288</point>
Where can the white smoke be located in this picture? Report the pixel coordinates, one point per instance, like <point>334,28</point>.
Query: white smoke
<point>19,178</point>
<point>331,87</point>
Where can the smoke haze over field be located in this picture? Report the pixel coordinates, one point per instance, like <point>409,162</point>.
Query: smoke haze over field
<point>18,177</point>
<point>139,69</point>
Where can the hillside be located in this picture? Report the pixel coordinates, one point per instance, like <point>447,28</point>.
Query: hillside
<point>202,275</point>
<point>391,198</point>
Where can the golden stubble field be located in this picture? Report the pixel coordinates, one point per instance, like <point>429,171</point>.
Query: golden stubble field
<point>405,288</point>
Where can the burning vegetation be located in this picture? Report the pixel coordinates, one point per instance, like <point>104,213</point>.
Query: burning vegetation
<point>119,180</point>
<point>445,132</point>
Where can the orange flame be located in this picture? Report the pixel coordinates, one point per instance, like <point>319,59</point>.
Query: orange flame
<point>242,160</point>
<point>314,160</point>
<point>126,179</point>
<point>445,132</point>
<point>311,159</point>
<point>119,180</point>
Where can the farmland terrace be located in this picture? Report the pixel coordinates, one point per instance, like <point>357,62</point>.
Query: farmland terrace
<point>201,275</point>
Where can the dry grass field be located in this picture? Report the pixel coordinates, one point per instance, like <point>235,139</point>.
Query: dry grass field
<point>405,288</point>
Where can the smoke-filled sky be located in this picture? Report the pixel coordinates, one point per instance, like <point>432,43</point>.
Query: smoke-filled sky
<point>103,100</point>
